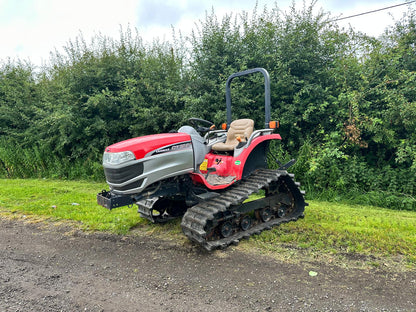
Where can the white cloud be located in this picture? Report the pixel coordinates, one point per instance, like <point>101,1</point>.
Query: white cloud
<point>164,13</point>
<point>33,28</point>
<point>187,13</point>
<point>372,24</point>
<point>53,23</point>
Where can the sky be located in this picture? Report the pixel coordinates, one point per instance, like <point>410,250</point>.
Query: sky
<point>31,29</point>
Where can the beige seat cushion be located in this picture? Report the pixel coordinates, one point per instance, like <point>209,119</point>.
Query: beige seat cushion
<point>242,128</point>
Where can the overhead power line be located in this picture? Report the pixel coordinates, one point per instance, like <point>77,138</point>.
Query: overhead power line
<point>373,11</point>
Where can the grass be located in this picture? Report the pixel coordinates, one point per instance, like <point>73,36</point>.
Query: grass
<point>329,229</point>
<point>65,200</point>
<point>341,229</point>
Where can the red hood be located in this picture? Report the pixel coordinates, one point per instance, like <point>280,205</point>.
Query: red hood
<point>141,146</point>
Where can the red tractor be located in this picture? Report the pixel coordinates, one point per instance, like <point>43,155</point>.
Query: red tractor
<point>205,176</point>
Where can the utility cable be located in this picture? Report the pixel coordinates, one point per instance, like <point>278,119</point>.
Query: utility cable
<point>369,12</point>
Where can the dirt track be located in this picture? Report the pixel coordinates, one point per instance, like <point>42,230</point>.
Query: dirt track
<point>48,269</point>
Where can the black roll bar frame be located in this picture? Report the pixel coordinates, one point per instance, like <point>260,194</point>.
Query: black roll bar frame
<point>266,93</point>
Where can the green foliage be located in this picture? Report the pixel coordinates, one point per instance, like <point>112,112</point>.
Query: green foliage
<point>110,91</point>
<point>39,162</point>
<point>19,100</point>
<point>346,101</point>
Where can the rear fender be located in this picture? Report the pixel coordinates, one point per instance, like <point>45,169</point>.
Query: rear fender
<point>252,157</point>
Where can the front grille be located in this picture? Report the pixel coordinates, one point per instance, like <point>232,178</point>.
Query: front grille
<point>123,174</point>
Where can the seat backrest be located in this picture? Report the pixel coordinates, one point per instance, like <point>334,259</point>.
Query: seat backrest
<point>241,128</point>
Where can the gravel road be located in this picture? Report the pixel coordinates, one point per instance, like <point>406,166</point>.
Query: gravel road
<point>53,268</point>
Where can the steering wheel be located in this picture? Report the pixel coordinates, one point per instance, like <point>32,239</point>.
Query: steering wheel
<point>201,125</point>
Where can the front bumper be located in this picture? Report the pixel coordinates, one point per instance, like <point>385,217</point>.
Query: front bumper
<point>110,201</point>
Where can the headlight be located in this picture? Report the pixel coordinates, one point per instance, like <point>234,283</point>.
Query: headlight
<point>117,158</point>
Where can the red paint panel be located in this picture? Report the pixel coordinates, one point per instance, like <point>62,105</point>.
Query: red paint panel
<point>229,165</point>
<point>141,146</point>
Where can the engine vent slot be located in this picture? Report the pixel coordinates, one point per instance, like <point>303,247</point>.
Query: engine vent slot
<point>120,175</point>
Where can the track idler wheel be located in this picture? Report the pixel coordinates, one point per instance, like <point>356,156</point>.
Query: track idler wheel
<point>226,229</point>
<point>281,212</point>
<point>266,214</point>
<point>246,223</point>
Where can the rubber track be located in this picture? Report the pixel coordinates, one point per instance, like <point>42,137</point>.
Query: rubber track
<point>196,218</point>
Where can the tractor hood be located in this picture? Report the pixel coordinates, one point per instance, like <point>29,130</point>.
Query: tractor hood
<point>152,144</point>
<point>131,166</point>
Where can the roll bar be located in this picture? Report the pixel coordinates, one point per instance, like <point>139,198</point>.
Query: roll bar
<point>266,92</point>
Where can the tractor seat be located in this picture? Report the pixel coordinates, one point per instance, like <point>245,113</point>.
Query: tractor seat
<point>242,128</point>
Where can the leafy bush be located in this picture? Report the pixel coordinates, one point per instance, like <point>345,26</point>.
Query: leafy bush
<point>346,101</point>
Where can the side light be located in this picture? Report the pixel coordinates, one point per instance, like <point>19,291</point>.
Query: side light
<point>117,158</point>
<point>274,124</point>
<point>224,126</point>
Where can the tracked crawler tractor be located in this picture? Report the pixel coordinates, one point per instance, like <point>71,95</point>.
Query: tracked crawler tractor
<point>206,176</point>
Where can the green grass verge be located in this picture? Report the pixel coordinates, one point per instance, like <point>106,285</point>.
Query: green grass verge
<point>333,228</point>
<point>328,228</point>
<point>65,200</point>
